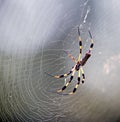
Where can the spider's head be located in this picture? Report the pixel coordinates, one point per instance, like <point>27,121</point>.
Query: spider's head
<point>78,65</point>
<point>79,62</point>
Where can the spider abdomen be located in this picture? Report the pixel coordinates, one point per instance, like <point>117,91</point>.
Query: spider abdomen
<point>84,60</point>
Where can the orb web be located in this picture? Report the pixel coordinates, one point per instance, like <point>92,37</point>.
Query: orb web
<point>27,93</point>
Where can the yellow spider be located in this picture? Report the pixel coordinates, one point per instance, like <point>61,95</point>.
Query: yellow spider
<point>77,67</point>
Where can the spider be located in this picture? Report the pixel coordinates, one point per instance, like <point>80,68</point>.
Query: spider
<point>79,63</point>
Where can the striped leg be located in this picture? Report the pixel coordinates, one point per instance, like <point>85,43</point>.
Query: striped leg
<point>65,86</point>
<point>63,75</point>
<point>92,42</point>
<point>83,74</point>
<point>80,44</point>
<point>76,86</point>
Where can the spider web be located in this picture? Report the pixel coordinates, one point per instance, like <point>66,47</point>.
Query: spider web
<point>34,41</point>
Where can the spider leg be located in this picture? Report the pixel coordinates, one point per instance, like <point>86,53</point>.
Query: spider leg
<point>80,44</point>
<point>76,86</point>
<point>63,75</point>
<point>88,54</point>
<point>92,42</point>
<point>71,57</point>
<point>65,86</point>
<point>83,74</point>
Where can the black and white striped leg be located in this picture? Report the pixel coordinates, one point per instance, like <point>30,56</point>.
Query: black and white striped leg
<point>80,44</point>
<point>83,74</point>
<point>76,86</point>
<point>63,75</point>
<point>92,42</point>
<point>66,85</point>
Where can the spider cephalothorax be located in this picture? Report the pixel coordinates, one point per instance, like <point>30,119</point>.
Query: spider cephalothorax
<point>78,65</point>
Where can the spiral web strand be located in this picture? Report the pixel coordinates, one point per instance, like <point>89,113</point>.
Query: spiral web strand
<point>26,91</point>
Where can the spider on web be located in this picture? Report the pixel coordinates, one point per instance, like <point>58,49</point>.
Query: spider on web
<point>79,63</point>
